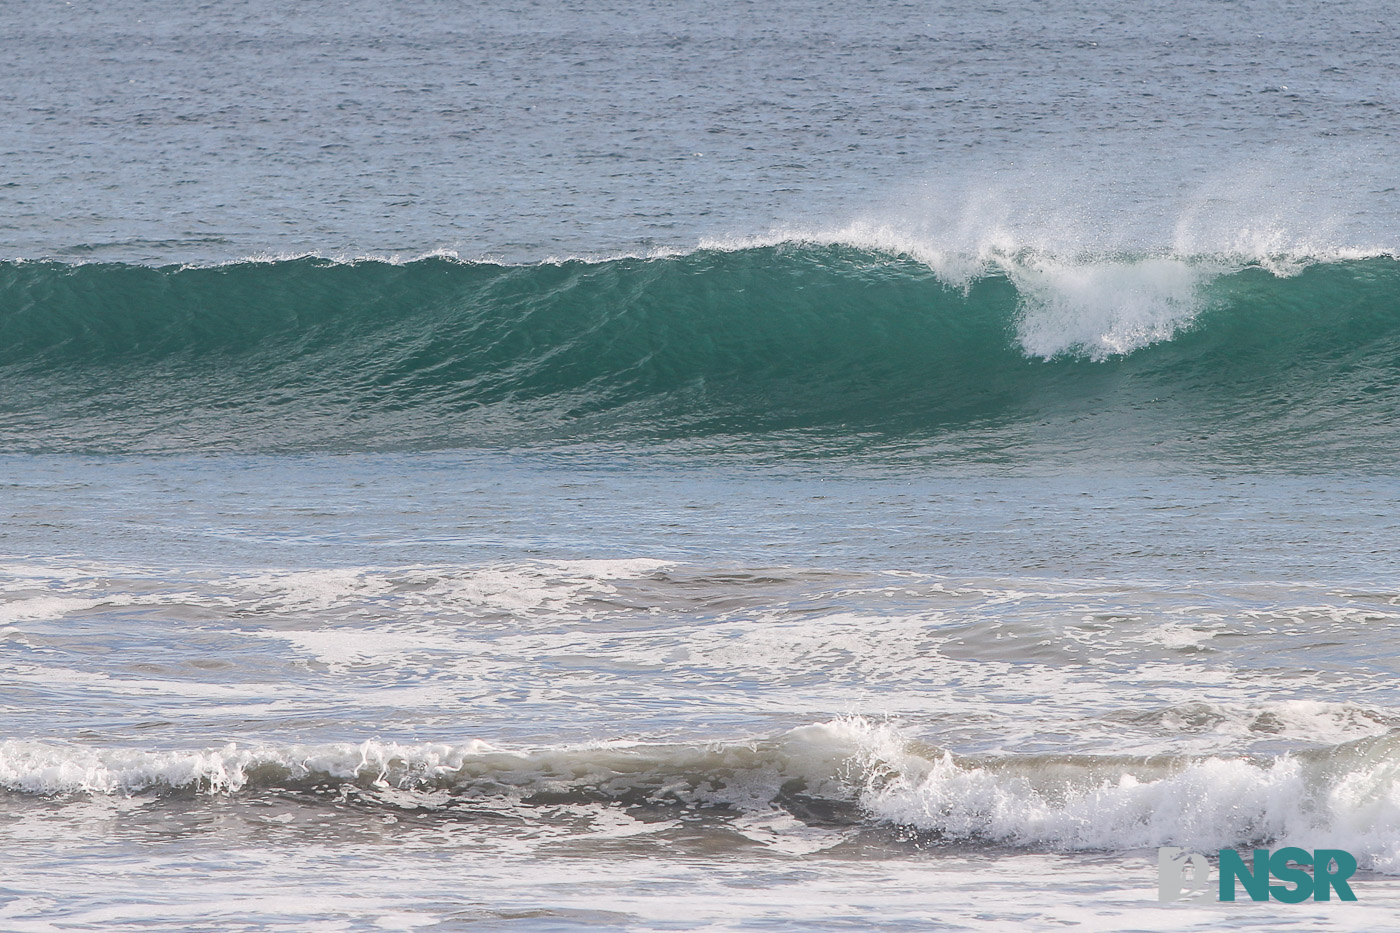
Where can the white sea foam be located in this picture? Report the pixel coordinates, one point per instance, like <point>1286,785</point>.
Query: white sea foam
<point>541,585</point>
<point>1345,797</point>
<point>42,768</point>
<point>746,775</point>
<point>1205,804</point>
<point>1105,308</point>
<point>1090,282</point>
<point>37,608</point>
<point>33,592</point>
<point>1079,295</point>
<point>1310,721</point>
<point>1091,302</point>
<point>1102,270</point>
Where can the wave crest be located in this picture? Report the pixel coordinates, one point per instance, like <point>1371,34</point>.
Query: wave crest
<point>313,354</point>
<point>1345,796</point>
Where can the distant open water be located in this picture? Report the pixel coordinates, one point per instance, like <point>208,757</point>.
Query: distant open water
<point>700,466</point>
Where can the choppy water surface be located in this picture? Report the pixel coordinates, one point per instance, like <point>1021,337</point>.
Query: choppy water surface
<point>694,466</point>
<point>525,668</point>
<point>521,130</point>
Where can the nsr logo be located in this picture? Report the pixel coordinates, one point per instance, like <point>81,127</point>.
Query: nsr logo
<point>1331,869</point>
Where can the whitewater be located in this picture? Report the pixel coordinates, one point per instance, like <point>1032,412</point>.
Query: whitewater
<point>695,466</point>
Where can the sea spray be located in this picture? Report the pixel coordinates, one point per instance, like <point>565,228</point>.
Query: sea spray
<point>310,354</point>
<point>1347,796</point>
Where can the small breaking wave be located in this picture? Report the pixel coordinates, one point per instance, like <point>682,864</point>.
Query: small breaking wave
<point>850,770</point>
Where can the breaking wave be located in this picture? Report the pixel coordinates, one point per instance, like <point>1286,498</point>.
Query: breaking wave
<point>835,339</point>
<point>846,771</point>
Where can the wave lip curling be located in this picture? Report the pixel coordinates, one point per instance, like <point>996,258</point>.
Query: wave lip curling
<point>310,354</point>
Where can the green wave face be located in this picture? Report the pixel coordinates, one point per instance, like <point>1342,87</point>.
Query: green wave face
<point>814,348</point>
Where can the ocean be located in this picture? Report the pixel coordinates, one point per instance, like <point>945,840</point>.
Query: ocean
<point>674,466</point>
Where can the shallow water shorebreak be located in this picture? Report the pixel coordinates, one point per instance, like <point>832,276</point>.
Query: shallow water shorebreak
<point>262,675</point>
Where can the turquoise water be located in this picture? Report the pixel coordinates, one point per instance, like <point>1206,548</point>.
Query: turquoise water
<point>694,466</point>
<point>794,349</point>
